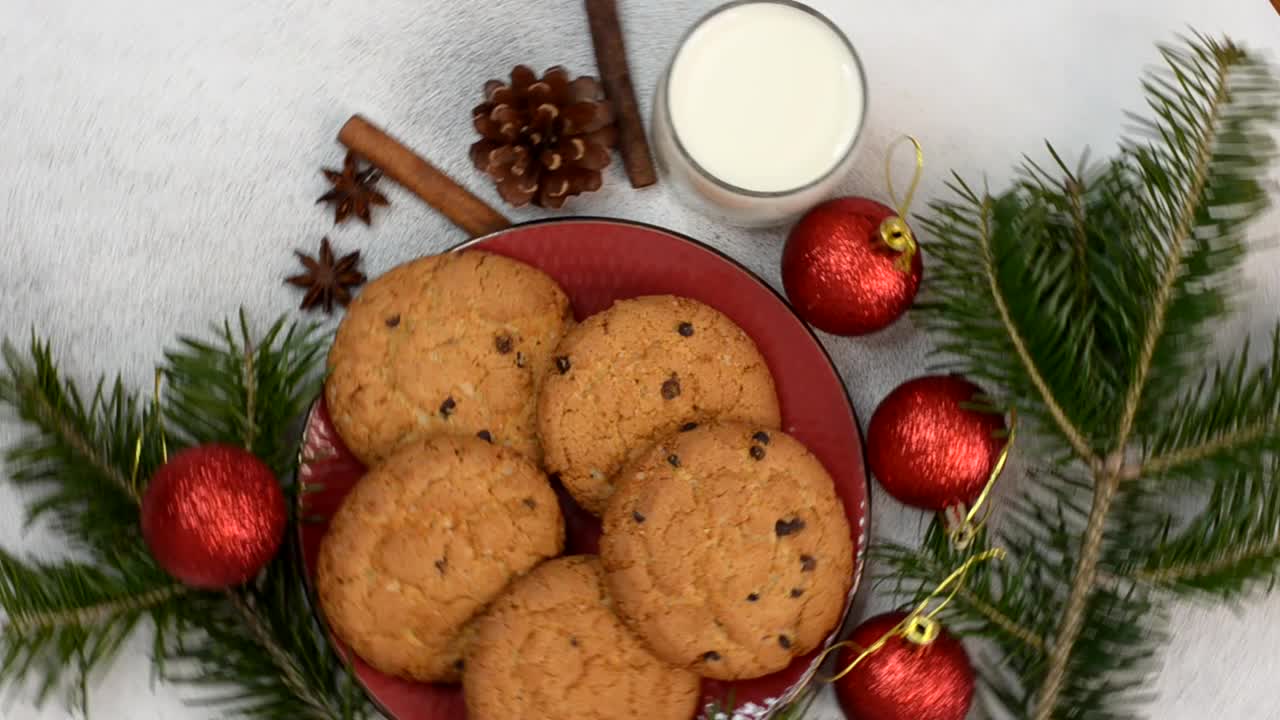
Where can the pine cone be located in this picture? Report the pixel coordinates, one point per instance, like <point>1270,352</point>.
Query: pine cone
<point>543,140</point>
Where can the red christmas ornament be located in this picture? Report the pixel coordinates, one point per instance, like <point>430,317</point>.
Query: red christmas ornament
<point>213,516</point>
<point>928,451</point>
<point>904,680</point>
<point>840,272</point>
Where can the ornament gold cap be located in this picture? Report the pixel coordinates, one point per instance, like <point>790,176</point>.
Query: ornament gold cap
<point>895,233</point>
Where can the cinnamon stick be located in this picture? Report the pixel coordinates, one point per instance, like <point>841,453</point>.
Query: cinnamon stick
<point>611,58</point>
<point>420,177</point>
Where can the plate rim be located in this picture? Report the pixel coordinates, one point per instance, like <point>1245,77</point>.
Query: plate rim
<point>861,555</point>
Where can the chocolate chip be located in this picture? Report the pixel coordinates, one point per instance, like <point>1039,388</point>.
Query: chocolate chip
<point>710,656</point>
<point>688,426</point>
<point>485,435</point>
<point>562,364</point>
<point>797,592</point>
<point>761,437</point>
<point>503,344</point>
<point>671,388</point>
<point>441,564</point>
<point>808,563</point>
<point>459,665</point>
<point>674,460</point>
<point>531,503</point>
<point>573,641</point>
<point>394,320</point>
<point>788,527</point>
<point>685,329</point>
<point>757,452</point>
<point>519,359</point>
<point>785,642</point>
<point>446,407</point>
<point>635,515</point>
<point>753,597</point>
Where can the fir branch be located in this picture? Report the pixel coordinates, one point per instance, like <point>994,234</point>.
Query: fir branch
<point>72,436</point>
<point>1224,423</point>
<point>1229,549</point>
<point>232,391</point>
<point>1082,590</point>
<point>1200,163</point>
<point>1266,554</point>
<point>262,639</point>
<point>1121,627</point>
<point>1008,297</point>
<point>1227,443</point>
<point>265,642</point>
<point>1085,297</point>
<point>1177,208</point>
<point>88,460</point>
<point>34,620</point>
<point>291,675</point>
<point>1114,656</point>
<point>998,619</point>
<point>1069,430</point>
<point>78,459</point>
<point>81,462</point>
<point>1186,208</point>
<point>67,619</point>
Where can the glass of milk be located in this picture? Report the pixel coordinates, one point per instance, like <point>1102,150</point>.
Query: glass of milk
<point>756,118</point>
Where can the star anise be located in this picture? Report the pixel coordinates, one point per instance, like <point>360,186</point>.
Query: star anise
<point>353,190</point>
<point>327,280</point>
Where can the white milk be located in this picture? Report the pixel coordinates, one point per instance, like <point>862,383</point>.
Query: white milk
<point>759,111</point>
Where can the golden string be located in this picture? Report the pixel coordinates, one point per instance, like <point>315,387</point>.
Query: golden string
<point>157,414</point>
<point>894,230</point>
<point>164,444</point>
<point>920,626</point>
<point>962,533</point>
<point>904,206</point>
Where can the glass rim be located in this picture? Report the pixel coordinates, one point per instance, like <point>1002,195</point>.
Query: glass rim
<point>665,89</point>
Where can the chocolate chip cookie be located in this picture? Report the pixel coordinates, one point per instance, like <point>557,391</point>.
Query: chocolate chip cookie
<point>551,648</point>
<point>452,343</point>
<point>642,369</point>
<point>424,542</point>
<point>728,550</point>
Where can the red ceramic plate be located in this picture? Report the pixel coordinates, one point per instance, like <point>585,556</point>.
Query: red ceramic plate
<point>597,262</point>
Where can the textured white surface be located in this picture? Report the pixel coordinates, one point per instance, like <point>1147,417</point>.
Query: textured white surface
<point>161,160</point>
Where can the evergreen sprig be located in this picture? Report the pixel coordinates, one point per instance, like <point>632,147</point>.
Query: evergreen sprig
<point>66,618</point>
<point>1225,423</point>
<point>1085,297</point>
<point>258,649</point>
<point>1230,549</point>
<point>77,459</point>
<point>245,391</point>
<point>262,655</point>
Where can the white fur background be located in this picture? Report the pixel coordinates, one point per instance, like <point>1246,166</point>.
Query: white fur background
<point>159,161</point>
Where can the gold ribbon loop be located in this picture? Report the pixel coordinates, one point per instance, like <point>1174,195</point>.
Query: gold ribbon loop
<point>962,524</point>
<point>921,625</point>
<point>894,231</point>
